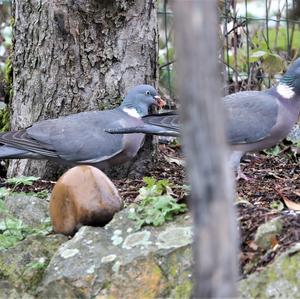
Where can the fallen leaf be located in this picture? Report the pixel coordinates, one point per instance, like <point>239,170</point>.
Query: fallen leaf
<point>291,204</point>
<point>252,245</point>
<point>177,161</point>
<point>274,242</point>
<point>296,192</point>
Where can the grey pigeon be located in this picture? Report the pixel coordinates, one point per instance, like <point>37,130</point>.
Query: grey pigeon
<point>256,120</point>
<point>80,138</point>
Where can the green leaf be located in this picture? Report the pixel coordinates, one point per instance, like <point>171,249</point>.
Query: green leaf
<point>39,265</point>
<point>273,64</point>
<point>22,180</point>
<point>157,204</point>
<point>41,194</point>
<point>13,230</point>
<point>149,181</point>
<point>257,55</point>
<point>273,152</point>
<point>7,241</point>
<point>277,205</point>
<point>3,193</point>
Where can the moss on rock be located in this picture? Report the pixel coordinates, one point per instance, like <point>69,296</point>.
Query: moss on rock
<point>277,281</point>
<point>8,77</point>
<point>4,120</point>
<point>23,265</point>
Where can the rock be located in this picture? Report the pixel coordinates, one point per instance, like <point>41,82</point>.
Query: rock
<point>9,291</point>
<point>119,262</point>
<point>84,195</point>
<point>23,265</point>
<point>31,210</point>
<point>280,280</point>
<point>266,233</point>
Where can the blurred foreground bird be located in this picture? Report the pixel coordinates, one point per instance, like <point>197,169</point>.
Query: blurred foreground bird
<point>256,120</point>
<point>80,138</point>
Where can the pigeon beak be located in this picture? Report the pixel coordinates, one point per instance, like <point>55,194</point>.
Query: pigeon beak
<point>159,102</point>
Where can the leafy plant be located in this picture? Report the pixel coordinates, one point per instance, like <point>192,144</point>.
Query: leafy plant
<point>3,193</point>
<point>4,119</point>
<point>13,230</point>
<point>41,194</point>
<point>43,229</point>
<point>37,265</point>
<point>22,180</point>
<point>157,204</point>
<point>277,205</point>
<point>273,152</point>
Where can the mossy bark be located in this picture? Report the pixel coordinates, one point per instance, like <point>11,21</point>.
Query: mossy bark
<point>72,56</point>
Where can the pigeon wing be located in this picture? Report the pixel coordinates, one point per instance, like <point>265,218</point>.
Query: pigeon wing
<point>76,138</point>
<point>251,116</point>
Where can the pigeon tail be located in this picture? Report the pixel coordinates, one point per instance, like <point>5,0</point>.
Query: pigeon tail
<point>7,152</point>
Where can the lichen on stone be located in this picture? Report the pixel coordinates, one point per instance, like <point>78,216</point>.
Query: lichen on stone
<point>137,239</point>
<point>69,253</point>
<point>175,237</point>
<point>108,258</point>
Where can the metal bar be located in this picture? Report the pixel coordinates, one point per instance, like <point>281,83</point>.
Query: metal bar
<point>293,29</point>
<point>270,19</point>
<point>268,4</point>
<point>267,24</point>
<point>247,42</point>
<point>165,13</point>
<point>287,30</point>
<point>235,45</point>
<point>227,40</point>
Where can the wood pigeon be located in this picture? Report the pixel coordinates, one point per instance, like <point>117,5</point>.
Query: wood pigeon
<point>80,138</point>
<point>256,120</point>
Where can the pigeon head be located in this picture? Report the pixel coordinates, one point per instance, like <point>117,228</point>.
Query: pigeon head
<point>141,98</point>
<point>292,77</point>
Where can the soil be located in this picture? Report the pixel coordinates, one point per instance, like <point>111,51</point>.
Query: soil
<point>273,182</point>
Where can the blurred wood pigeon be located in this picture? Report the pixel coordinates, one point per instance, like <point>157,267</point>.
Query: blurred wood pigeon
<point>80,138</point>
<point>256,120</point>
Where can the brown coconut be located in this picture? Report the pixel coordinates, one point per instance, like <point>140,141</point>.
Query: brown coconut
<point>83,195</point>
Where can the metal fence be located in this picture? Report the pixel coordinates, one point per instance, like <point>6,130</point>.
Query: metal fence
<point>258,39</point>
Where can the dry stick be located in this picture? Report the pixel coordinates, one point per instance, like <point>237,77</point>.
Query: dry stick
<point>215,231</point>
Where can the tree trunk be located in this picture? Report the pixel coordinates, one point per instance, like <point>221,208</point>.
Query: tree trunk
<point>79,55</point>
<point>215,246</point>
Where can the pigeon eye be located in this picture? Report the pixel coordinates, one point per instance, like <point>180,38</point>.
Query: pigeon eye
<point>147,92</point>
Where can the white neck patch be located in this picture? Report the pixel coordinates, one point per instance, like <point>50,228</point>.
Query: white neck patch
<point>285,91</point>
<point>132,112</point>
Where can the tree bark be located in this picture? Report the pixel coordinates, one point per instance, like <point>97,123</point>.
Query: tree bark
<point>77,55</point>
<point>215,231</point>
